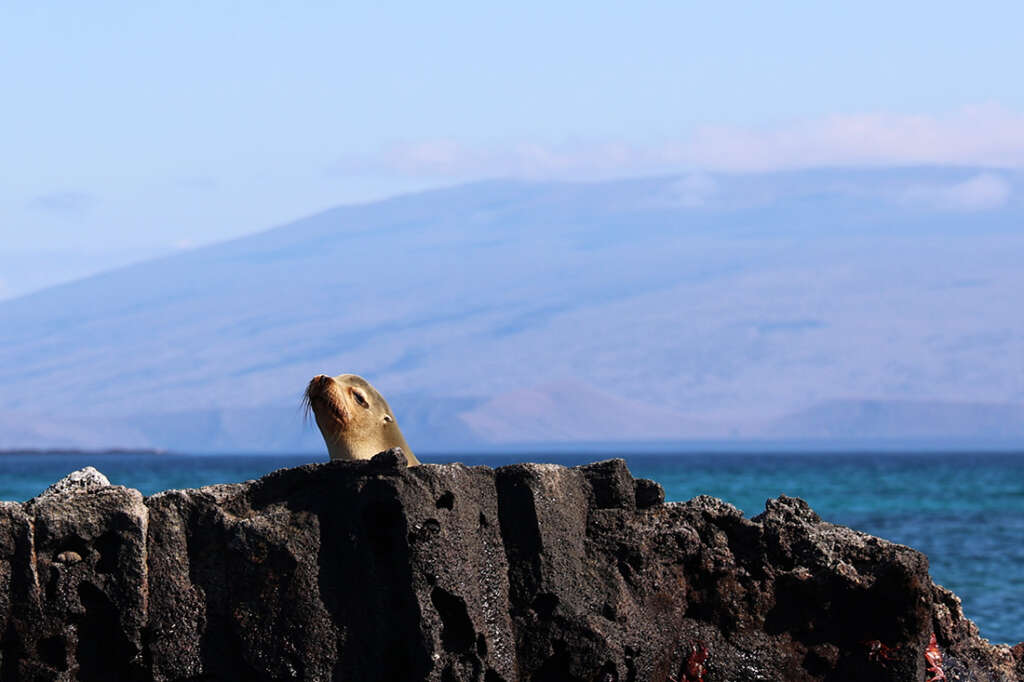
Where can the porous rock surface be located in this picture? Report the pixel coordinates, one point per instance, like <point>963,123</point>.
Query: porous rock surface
<point>371,571</point>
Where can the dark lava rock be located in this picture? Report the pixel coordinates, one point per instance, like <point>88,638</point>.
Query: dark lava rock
<point>389,459</point>
<point>648,493</point>
<point>371,571</point>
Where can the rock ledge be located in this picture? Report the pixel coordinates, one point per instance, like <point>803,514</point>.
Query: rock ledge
<point>371,571</point>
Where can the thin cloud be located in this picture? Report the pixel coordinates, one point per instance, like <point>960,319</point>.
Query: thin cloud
<point>983,136</point>
<point>66,204</point>
<point>988,136</point>
<point>693,190</point>
<point>981,192</point>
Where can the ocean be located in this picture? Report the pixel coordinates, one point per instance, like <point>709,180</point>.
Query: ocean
<point>964,511</point>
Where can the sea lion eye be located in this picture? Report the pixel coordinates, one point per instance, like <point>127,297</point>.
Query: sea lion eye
<point>360,399</point>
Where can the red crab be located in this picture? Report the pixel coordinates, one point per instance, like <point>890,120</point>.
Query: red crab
<point>934,658</point>
<point>693,668</point>
<point>878,652</point>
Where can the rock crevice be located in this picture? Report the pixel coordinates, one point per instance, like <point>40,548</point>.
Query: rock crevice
<point>530,572</point>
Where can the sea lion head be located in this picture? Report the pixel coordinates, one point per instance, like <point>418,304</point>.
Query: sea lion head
<point>355,420</point>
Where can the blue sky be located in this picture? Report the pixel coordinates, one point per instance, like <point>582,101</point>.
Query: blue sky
<point>130,129</point>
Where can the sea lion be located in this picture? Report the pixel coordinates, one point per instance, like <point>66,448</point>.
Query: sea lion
<point>354,419</point>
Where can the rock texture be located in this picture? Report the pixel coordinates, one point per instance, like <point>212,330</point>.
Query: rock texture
<point>371,571</point>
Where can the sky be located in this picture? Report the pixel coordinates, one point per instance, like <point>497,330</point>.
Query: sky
<point>134,129</point>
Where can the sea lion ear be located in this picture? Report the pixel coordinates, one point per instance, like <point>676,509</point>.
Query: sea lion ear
<point>388,419</point>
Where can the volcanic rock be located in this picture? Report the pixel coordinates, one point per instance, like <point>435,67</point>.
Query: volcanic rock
<point>530,572</point>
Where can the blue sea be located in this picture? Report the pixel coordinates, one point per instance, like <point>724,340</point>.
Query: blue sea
<point>964,511</point>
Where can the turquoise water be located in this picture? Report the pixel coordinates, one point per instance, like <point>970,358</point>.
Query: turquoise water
<point>965,511</point>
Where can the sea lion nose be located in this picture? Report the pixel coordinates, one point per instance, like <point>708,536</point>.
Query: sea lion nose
<point>319,382</point>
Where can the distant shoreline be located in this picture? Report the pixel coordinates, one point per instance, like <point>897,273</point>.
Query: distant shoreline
<point>83,451</point>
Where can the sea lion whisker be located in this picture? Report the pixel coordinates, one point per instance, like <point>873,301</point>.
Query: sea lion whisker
<point>307,407</point>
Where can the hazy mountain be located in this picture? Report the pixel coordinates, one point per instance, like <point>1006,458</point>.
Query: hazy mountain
<point>685,307</point>
<point>877,419</point>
